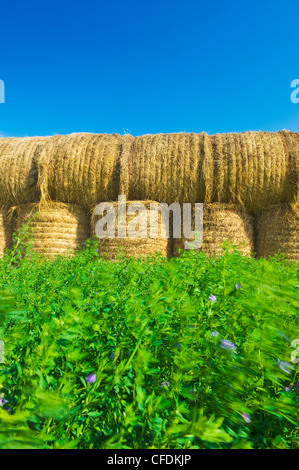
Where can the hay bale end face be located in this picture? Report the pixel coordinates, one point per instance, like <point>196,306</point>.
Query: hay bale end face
<point>133,233</point>
<point>222,222</point>
<point>278,230</point>
<point>57,228</point>
<point>6,231</point>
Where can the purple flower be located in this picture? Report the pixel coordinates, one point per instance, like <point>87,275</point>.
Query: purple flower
<point>228,344</point>
<point>91,378</point>
<point>246,417</point>
<point>164,384</point>
<point>214,333</point>
<point>2,400</point>
<point>112,356</point>
<point>97,250</point>
<point>212,298</point>
<point>282,365</point>
<point>238,286</point>
<point>287,389</point>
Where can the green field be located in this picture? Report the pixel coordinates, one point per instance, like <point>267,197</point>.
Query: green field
<point>184,353</point>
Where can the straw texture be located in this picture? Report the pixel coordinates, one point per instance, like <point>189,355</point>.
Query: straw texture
<point>251,169</point>
<point>81,168</point>
<point>223,222</point>
<point>147,243</point>
<point>168,168</point>
<point>18,169</point>
<point>291,142</point>
<point>278,230</point>
<point>57,227</point>
<point>5,231</point>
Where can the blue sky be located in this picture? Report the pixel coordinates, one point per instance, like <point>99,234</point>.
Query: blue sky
<point>148,67</point>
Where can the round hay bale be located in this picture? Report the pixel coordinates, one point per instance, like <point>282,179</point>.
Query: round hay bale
<point>169,168</point>
<point>57,227</point>
<point>145,242</point>
<point>18,169</point>
<point>291,141</point>
<point>81,168</point>
<point>250,169</point>
<point>278,229</point>
<point>5,231</point>
<point>222,222</point>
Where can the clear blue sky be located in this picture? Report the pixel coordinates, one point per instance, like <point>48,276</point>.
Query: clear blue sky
<point>148,67</point>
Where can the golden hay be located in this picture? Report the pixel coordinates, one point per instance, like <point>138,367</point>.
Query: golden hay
<point>251,169</point>
<point>5,231</point>
<point>168,168</point>
<point>291,140</point>
<point>18,169</point>
<point>139,246</point>
<point>81,168</point>
<point>222,222</point>
<point>57,227</point>
<point>278,229</point>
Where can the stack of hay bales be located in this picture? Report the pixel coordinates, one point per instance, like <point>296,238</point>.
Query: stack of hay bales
<point>167,168</point>
<point>81,168</point>
<point>278,230</point>
<point>56,228</point>
<point>135,233</point>
<point>230,173</point>
<point>222,222</point>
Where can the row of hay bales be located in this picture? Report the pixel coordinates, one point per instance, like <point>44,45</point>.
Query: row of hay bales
<point>60,228</point>
<point>253,169</point>
<point>248,183</point>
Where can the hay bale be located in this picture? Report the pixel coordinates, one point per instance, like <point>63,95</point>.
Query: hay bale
<point>222,222</point>
<point>18,169</point>
<point>291,141</point>
<point>81,168</point>
<point>5,231</point>
<point>169,168</point>
<point>146,243</point>
<point>57,227</point>
<point>278,229</point>
<point>250,169</point>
